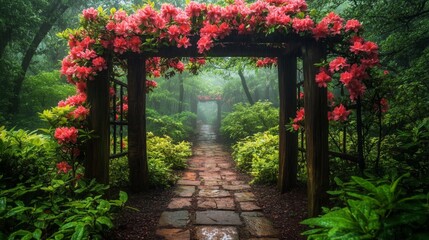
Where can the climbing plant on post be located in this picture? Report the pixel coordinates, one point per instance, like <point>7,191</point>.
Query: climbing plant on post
<point>149,42</point>
<point>316,129</point>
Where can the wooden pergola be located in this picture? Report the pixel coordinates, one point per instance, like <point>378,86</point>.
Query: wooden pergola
<point>287,48</point>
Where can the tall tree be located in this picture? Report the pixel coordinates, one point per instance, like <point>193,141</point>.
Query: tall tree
<point>50,15</point>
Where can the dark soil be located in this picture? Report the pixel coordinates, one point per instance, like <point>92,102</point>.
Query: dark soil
<point>286,210</point>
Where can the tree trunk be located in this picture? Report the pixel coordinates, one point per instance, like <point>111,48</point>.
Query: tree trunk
<point>52,14</point>
<point>245,87</point>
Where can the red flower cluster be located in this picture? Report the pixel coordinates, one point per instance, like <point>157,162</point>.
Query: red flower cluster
<point>83,62</point>
<point>383,105</point>
<point>66,135</point>
<point>147,29</point>
<point>266,62</point>
<point>323,78</point>
<point>339,113</point>
<point>74,100</point>
<point>63,167</point>
<point>80,113</point>
<point>150,85</point>
<point>90,14</point>
<point>300,115</point>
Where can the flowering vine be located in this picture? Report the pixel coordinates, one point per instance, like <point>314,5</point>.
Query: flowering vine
<point>351,60</point>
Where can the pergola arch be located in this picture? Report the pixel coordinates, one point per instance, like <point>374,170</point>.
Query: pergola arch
<point>218,101</point>
<point>287,48</point>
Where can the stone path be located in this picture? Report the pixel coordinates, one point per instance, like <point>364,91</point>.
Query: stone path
<point>210,203</point>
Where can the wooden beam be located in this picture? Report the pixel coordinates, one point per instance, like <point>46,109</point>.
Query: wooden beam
<point>316,129</point>
<point>288,141</point>
<point>137,155</point>
<point>98,147</point>
<point>225,50</point>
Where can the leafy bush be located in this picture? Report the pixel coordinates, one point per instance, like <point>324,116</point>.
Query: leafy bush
<point>40,92</point>
<point>412,148</point>
<point>24,154</point>
<point>164,156</point>
<point>173,154</point>
<point>40,201</point>
<point>246,120</point>
<point>258,155</point>
<point>373,209</point>
<point>177,126</point>
<point>64,208</point>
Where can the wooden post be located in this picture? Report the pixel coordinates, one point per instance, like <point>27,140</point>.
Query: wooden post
<point>137,155</point>
<point>288,141</point>
<point>98,147</point>
<point>316,129</point>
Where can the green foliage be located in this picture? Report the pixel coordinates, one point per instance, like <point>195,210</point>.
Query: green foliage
<point>64,208</point>
<point>24,154</point>
<point>177,126</point>
<point>258,155</point>
<point>173,154</point>
<point>412,147</point>
<point>38,201</point>
<point>373,209</point>
<point>40,92</point>
<point>246,120</point>
<point>164,157</point>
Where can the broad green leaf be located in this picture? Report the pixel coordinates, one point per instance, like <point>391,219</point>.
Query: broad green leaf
<point>68,225</point>
<point>37,234</point>
<point>123,196</point>
<point>365,184</point>
<point>79,232</point>
<point>103,206</point>
<point>396,182</point>
<point>365,198</point>
<point>16,210</point>
<point>329,222</point>
<point>105,221</point>
<point>59,236</point>
<point>3,203</point>
<point>23,233</point>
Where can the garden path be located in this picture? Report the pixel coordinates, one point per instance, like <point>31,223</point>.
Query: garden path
<point>210,201</point>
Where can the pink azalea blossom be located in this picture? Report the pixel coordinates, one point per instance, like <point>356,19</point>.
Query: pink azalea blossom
<point>340,113</point>
<point>90,14</point>
<point>66,135</point>
<point>323,78</point>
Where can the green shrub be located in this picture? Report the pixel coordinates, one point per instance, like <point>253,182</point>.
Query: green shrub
<point>258,155</point>
<point>40,201</point>
<point>24,154</point>
<point>246,120</point>
<point>173,154</point>
<point>373,209</point>
<point>177,126</point>
<point>164,156</point>
<point>65,208</point>
<point>40,92</point>
<point>411,147</point>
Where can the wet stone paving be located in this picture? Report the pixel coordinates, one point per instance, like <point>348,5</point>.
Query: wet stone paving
<point>210,202</point>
